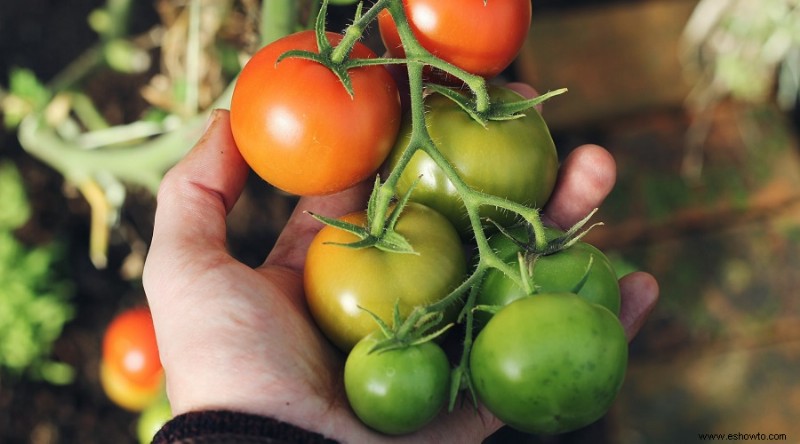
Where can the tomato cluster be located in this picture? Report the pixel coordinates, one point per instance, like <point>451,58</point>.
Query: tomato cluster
<point>383,284</point>
<point>130,370</point>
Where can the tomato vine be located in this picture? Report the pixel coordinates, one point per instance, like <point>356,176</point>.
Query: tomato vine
<point>480,107</point>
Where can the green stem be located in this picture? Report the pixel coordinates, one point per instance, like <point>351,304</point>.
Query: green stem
<point>193,50</point>
<point>119,13</point>
<point>416,53</point>
<point>278,19</point>
<point>419,137</point>
<point>355,30</point>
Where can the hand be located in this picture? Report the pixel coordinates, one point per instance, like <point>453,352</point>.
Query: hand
<point>236,338</point>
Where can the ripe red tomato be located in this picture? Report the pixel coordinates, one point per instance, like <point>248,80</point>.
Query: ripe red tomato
<point>130,349</point>
<point>480,38</point>
<point>299,129</point>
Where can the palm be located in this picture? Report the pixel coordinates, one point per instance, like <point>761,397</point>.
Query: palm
<point>236,338</point>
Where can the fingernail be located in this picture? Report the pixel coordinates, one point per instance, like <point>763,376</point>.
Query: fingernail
<point>212,117</point>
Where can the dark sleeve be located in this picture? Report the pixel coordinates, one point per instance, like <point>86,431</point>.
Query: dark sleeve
<point>223,427</point>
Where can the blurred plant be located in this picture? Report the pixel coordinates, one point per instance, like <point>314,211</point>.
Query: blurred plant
<point>744,50</point>
<point>34,302</point>
<point>200,43</point>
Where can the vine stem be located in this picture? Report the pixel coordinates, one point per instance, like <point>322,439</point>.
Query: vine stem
<point>98,173</point>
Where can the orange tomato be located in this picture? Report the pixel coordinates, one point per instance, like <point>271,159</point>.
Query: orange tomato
<point>299,129</point>
<point>129,347</point>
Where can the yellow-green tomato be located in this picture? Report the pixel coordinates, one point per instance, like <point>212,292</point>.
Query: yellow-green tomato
<point>342,283</point>
<point>513,159</point>
<point>550,363</point>
<point>396,391</point>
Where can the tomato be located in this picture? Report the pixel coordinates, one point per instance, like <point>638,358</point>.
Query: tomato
<point>127,394</point>
<point>480,38</point>
<point>152,419</point>
<point>299,129</point>
<point>515,159</point>
<point>550,363</point>
<point>557,272</point>
<point>396,391</point>
<point>129,347</point>
<point>338,280</point>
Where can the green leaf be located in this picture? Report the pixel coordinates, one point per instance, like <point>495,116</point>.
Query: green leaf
<point>14,207</point>
<point>23,83</point>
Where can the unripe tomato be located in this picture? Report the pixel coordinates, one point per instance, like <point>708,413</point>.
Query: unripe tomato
<point>549,363</point>
<point>396,391</point>
<point>152,419</point>
<point>341,283</point>
<point>553,273</point>
<point>514,159</point>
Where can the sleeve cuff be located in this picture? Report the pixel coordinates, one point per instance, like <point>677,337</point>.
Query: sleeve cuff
<point>222,427</point>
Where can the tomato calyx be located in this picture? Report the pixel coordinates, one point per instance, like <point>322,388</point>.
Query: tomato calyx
<point>535,245</point>
<point>337,58</point>
<point>417,328</point>
<point>386,238</point>
<point>496,110</point>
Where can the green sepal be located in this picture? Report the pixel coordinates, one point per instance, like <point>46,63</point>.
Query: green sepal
<point>516,109</point>
<point>352,228</point>
<point>464,102</point>
<point>496,111</point>
<point>460,380</point>
<point>579,285</point>
<point>491,309</point>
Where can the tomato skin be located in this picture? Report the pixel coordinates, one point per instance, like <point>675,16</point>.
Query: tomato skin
<point>339,280</point>
<point>515,159</point>
<point>550,363</point>
<point>482,39</point>
<point>130,348</point>
<point>396,391</point>
<point>127,394</point>
<point>558,272</point>
<point>299,129</point>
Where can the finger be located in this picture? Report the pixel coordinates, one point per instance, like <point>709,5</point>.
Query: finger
<point>586,177</point>
<point>193,201</point>
<point>639,294</point>
<point>290,248</point>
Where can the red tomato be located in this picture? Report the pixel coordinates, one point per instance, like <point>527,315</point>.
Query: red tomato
<point>299,129</point>
<point>480,38</point>
<point>130,349</point>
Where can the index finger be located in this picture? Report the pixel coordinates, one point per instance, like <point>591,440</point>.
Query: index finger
<point>193,201</point>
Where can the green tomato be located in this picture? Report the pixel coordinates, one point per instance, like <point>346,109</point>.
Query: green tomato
<point>514,159</point>
<point>557,272</point>
<point>152,419</point>
<point>550,363</point>
<point>396,391</point>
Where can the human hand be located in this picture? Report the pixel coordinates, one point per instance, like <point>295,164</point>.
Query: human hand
<point>232,337</point>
